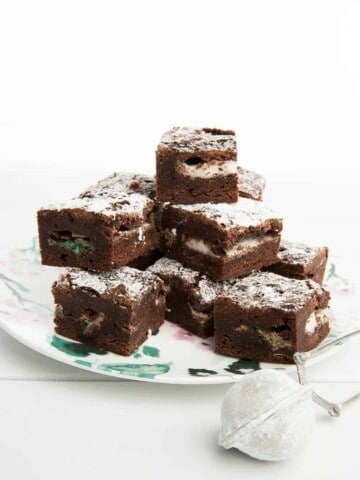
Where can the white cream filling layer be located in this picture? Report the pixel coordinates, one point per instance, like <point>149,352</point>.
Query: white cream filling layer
<point>199,246</point>
<point>209,169</point>
<point>141,235</point>
<point>249,243</point>
<point>199,315</point>
<point>243,246</point>
<point>316,319</point>
<point>141,231</point>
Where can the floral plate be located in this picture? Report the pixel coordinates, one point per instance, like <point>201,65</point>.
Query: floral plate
<point>171,356</point>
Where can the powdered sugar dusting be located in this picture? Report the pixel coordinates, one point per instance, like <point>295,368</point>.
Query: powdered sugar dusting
<point>205,289</point>
<point>120,193</point>
<point>244,213</point>
<point>188,139</point>
<point>208,290</point>
<point>129,281</point>
<point>298,253</point>
<point>168,266</point>
<point>251,184</point>
<point>268,290</point>
<point>119,184</point>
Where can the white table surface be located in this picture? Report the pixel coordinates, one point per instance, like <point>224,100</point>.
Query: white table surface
<point>60,422</point>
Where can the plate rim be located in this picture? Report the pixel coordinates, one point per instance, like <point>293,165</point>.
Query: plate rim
<point>218,379</point>
<point>179,378</point>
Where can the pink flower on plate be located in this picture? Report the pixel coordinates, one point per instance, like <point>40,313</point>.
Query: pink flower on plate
<point>14,271</point>
<point>201,343</point>
<point>182,334</point>
<point>10,302</point>
<point>34,272</point>
<point>206,343</point>
<point>32,314</point>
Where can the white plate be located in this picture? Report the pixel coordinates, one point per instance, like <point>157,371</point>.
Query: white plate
<point>171,356</point>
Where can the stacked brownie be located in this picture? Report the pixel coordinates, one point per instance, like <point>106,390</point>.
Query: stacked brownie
<point>114,310</point>
<point>190,296</point>
<point>268,317</point>
<point>196,165</point>
<point>198,238</point>
<point>107,226</point>
<point>107,231</point>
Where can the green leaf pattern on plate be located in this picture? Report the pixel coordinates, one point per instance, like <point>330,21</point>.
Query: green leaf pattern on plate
<point>201,372</point>
<point>139,370</point>
<point>241,367</point>
<point>83,363</point>
<point>74,349</point>
<point>151,351</point>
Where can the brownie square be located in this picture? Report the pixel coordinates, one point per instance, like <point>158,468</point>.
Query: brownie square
<point>105,227</point>
<point>250,184</point>
<point>112,311</point>
<point>267,317</point>
<point>296,260</point>
<point>146,260</point>
<point>195,165</point>
<point>221,240</point>
<point>190,296</point>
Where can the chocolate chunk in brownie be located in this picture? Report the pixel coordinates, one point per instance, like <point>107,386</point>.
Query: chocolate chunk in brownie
<point>221,240</point>
<point>195,165</point>
<point>112,311</point>
<point>267,317</point>
<point>296,260</point>
<point>105,227</point>
<point>190,296</point>
<point>250,184</point>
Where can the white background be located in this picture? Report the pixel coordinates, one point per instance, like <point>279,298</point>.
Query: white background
<point>93,84</point>
<point>86,88</point>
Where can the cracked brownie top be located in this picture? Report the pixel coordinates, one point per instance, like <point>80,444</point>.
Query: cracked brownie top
<point>268,290</point>
<point>120,193</point>
<point>125,281</point>
<point>188,139</point>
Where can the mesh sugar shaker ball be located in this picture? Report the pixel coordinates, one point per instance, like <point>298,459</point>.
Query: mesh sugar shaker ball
<point>267,415</point>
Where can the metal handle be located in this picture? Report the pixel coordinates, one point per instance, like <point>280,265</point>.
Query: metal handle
<point>300,359</point>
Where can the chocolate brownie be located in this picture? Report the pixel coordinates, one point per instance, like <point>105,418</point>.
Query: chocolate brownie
<point>296,260</point>
<point>105,227</point>
<point>221,240</point>
<point>268,317</point>
<point>189,296</point>
<point>195,165</point>
<point>144,261</point>
<point>113,311</point>
<point>250,184</point>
